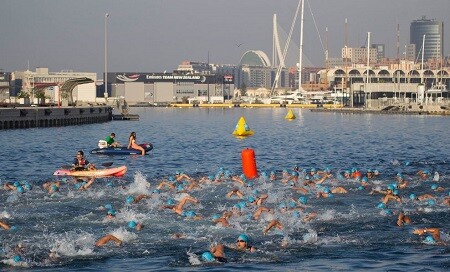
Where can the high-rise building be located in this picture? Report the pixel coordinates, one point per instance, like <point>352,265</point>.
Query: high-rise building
<point>434,38</point>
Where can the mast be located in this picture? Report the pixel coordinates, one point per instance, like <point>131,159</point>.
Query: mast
<point>301,50</point>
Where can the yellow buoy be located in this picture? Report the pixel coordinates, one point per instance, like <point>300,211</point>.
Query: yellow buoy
<point>290,115</point>
<point>242,129</point>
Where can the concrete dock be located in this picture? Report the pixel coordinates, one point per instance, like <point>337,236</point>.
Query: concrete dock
<point>32,117</point>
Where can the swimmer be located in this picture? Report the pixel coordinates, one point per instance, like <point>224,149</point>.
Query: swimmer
<point>221,220</point>
<point>239,179</point>
<point>136,199</point>
<point>5,226</point>
<point>216,253</point>
<point>259,211</point>
<point>178,209</point>
<point>107,238</point>
<point>272,224</point>
<point>178,235</point>
<point>392,196</point>
<point>242,243</point>
<point>51,186</point>
<point>258,201</point>
<point>310,216</point>
<point>236,192</point>
<point>272,176</point>
<point>164,184</point>
<point>403,219</point>
<point>426,197</point>
<point>339,190</point>
<point>135,225</point>
<point>180,175</point>
<point>435,233</point>
<point>423,174</point>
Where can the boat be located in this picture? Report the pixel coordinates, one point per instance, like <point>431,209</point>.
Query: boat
<point>288,98</point>
<point>105,172</point>
<point>122,150</point>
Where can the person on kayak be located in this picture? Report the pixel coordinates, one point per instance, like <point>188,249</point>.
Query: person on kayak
<point>132,143</point>
<point>110,140</point>
<point>80,163</point>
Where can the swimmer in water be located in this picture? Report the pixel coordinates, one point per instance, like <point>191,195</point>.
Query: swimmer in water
<point>178,209</point>
<point>434,232</point>
<point>107,238</point>
<point>403,219</point>
<point>135,225</point>
<point>216,253</point>
<point>221,220</point>
<point>236,192</point>
<point>5,226</point>
<point>242,243</point>
<point>272,224</point>
<point>51,186</point>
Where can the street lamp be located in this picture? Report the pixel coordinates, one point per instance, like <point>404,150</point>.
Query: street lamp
<point>106,58</point>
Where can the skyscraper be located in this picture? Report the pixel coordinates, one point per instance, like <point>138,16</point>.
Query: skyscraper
<point>434,38</point>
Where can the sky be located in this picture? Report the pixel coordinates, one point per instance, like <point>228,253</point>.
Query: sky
<point>157,35</point>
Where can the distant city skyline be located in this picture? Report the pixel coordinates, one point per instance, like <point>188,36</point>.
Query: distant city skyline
<point>152,36</point>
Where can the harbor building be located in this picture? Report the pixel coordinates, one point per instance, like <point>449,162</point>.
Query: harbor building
<point>434,38</point>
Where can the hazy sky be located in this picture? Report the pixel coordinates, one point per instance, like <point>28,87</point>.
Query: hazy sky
<point>157,35</point>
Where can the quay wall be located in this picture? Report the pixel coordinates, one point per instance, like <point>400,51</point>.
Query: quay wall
<point>32,117</point>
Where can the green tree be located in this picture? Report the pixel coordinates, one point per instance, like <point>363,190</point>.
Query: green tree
<point>243,89</point>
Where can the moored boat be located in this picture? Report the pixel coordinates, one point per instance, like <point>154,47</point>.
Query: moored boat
<point>122,150</point>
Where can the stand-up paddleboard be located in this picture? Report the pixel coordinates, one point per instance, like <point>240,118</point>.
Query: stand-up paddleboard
<point>122,150</point>
<point>107,172</point>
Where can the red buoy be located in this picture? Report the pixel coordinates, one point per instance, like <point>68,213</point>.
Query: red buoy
<point>249,163</point>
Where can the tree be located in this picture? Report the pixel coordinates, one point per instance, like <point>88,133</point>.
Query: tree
<point>243,89</point>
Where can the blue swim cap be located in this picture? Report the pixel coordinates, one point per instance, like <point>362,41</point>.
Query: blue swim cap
<point>108,206</point>
<point>272,173</point>
<point>303,199</point>
<point>156,191</point>
<point>171,178</point>
<point>399,175</point>
<point>250,184</point>
<point>251,199</point>
<point>13,228</point>
<point>360,188</point>
<point>112,212</point>
<point>183,213</point>
<point>20,189</point>
<point>243,237</point>
<point>330,195</point>
<point>430,239</point>
<point>294,173</point>
<point>291,183</point>
<point>17,258</point>
<point>77,186</point>
<point>395,192</point>
<point>129,200</point>
<point>412,196</point>
<point>365,179</point>
<point>242,204</point>
<point>313,170</point>
<point>431,202</point>
<point>190,214</point>
<point>295,214</point>
<point>16,184</point>
<point>180,187</point>
<point>211,177</point>
<point>64,180</point>
<point>208,257</point>
<point>109,184</point>
<point>387,211</point>
<point>285,170</point>
<point>28,186</point>
<point>292,204</point>
<point>282,206</point>
<point>381,205</point>
<point>434,186</point>
<point>242,176</point>
<point>215,217</point>
<point>170,202</point>
<point>326,190</point>
<point>264,174</point>
<point>132,224</point>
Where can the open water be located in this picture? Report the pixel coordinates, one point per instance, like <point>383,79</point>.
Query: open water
<point>349,233</point>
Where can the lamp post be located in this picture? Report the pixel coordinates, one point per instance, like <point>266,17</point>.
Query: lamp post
<point>106,57</point>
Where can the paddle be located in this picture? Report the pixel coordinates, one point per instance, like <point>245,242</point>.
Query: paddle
<point>105,164</point>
